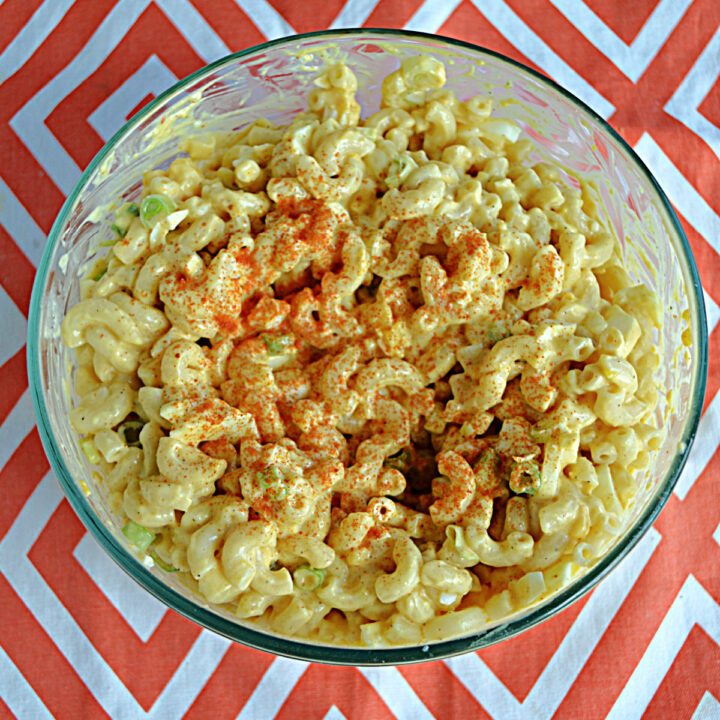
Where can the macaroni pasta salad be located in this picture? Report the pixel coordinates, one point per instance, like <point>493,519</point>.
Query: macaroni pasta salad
<point>370,382</point>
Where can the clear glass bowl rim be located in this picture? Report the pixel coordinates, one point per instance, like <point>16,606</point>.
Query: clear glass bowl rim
<point>357,655</point>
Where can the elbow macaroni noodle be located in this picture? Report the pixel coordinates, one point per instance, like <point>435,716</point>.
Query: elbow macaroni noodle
<point>368,382</point>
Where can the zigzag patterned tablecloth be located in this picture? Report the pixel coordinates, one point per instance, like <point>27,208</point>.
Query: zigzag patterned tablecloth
<point>79,640</point>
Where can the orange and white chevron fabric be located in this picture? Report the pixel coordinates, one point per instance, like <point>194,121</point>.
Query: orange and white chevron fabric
<point>79,640</point>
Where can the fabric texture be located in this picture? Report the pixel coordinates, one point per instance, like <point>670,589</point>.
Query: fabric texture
<point>81,640</point>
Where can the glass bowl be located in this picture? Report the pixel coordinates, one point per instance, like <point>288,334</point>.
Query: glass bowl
<point>272,80</point>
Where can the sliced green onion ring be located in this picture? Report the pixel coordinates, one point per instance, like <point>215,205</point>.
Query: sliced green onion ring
<point>400,167</point>
<point>488,476</point>
<point>309,578</point>
<point>497,333</point>
<point>525,477</point>
<point>155,206</point>
<point>279,344</point>
<point>271,479</point>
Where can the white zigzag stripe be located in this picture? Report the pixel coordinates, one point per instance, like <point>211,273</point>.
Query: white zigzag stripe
<point>708,708</point>
<point>195,29</point>
<point>13,326</point>
<point>682,194</point>
<point>712,311</point>
<point>519,34</point>
<point>431,15</point>
<point>397,694</point>
<point>152,77</point>
<point>692,606</point>
<point>177,696</point>
<point>137,606</point>
<point>716,534</point>
<point>43,603</point>
<point>17,693</point>
<point>570,657</point>
<point>29,121</point>
<point>272,691</point>
<point>684,103</point>
<point>705,446</point>
<point>32,36</point>
<point>189,679</point>
<point>16,427</point>
<point>354,13</point>
<point>334,714</point>
<point>21,225</point>
<point>266,18</point>
<point>632,60</point>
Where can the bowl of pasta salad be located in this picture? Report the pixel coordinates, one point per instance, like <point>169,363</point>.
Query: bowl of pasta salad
<point>367,347</point>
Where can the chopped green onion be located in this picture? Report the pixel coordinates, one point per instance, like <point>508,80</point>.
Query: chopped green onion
<point>161,563</point>
<point>138,535</point>
<point>400,167</point>
<point>123,219</point>
<point>497,333</point>
<point>129,431</point>
<point>279,344</point>
<point>271,479</point>
<point>309,578</point>
<point>525,476</point>
<point>99,274</point>
<point>488,476</point>
<point>399,462</point>
<point>466,430</point>
<point>540,434</point>
<point>91,452</point>
<point>456,535</point>
<point>154,205</point>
